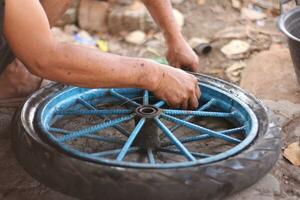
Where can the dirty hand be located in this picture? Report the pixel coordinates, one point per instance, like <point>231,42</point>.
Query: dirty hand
<point>178,88</point>
<point>181,55</point>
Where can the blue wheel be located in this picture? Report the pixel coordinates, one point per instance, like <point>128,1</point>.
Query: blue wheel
<point>130,131</point>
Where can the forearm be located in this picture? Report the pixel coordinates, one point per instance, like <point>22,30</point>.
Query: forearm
<point>161,11</point>
<point>27,30</point>
<point>90,68</point>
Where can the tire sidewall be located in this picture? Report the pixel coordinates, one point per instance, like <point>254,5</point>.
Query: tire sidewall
<point>87,180</point>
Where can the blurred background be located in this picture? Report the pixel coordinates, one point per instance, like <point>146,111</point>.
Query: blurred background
<point>247,49</point>
<point>236,29</point>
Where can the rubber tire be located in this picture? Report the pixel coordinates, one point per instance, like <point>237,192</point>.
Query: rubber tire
<point>87,180</point>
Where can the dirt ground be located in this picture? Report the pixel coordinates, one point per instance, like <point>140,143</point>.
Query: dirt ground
<point>201,21</point>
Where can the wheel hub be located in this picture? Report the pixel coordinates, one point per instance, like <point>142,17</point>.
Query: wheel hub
<point>148,111</point>
<point>148,137</point>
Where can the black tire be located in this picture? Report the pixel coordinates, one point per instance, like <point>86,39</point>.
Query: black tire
<point>87,180</point>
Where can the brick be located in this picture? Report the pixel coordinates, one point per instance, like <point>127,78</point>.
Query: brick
<point>130,18</point>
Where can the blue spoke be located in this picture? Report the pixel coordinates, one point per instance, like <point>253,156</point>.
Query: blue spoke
<point>121,130</point>
<point>233,130</point>
<point>202,108</point>
<point>177,143</point>
<point>205,136</point>
<point>86,104</point>
<point>130,140</point>
<point>160,104</point>
<point>117,127</point>
<point>200,129</point>
<point>94,129</point>
<point>174,151</point>
<point>198,113</point>
<point>114,152</point>
<point>127,100</point>
<point>207,105</point>
<point>146,97</point>
<point>95,112</point>
<point>93,137</point>
<point>106,139</point>
<point>58,130</point>
<point>150,156</point>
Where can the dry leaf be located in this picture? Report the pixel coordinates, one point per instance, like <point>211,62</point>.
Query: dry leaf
<point>292,153</point>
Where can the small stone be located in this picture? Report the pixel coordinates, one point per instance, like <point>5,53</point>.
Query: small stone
<point>114,46</point>
<point>292,153</point>
<point>136,37</point>
<point>177,1</point>
<point>277,39</point>
<point>179,17</point>
<point>260,42</point>
<point>71,29</point>
<point>261,23</point>
<point>61,36</point>
<point>252,15</point>
<point>136,5</point>
<point>159,36</point>
<point>155,43</point>
<point>234,71</point>
<point>45,82</point>
<point>194,42</point>
<point>156,47</point>
<point>236,49</point>
<point>236,4</point>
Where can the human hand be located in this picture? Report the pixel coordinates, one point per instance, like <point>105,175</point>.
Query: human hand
<point>178,88</point>
<point>181,55</point>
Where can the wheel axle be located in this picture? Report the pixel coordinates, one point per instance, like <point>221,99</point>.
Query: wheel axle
<point>148,136</point>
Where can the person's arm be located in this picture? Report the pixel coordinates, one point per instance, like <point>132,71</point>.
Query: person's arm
<point>27,31</point>
<point>179,54</point>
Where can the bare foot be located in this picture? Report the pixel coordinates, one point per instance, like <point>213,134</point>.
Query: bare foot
<point>16,81</point>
